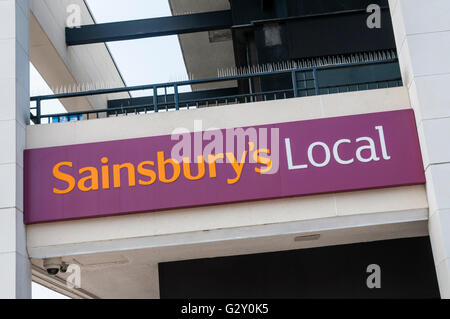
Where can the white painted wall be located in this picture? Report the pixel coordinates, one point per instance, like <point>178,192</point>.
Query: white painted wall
<point>422,32</point>
<point>15,273</point>
<point>63,66</point>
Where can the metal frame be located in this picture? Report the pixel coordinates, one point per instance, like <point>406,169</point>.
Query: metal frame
<point>146,28</point>
<point>178,103</point>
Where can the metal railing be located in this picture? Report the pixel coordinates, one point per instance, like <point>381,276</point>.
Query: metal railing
<point>303,82</point>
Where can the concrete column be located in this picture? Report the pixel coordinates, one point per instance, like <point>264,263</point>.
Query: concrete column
<point>422,32</point>
<point>15,273</point>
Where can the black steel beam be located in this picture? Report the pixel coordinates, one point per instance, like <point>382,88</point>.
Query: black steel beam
<point>146,28</point>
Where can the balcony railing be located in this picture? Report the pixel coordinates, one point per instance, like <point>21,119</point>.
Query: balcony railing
<point>302,82</point>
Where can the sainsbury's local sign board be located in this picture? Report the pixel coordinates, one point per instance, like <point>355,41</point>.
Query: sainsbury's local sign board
<point>210,167</point>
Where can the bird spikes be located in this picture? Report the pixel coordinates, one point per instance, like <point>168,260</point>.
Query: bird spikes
<point>249,70</point>
<point>181,77</point>
<point>307,63</point>
<point>84,87</point>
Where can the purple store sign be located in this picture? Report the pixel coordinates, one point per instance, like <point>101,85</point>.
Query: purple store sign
<point>222,166</point>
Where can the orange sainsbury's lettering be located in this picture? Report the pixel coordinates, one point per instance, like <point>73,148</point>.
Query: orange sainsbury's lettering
<point>92,177</point>
<point>262,160</point>
<point>162,163</point>
<point>212,159</point>
<point>105,173</point>
<point>187,168</point>
<point>147,173</point>
<point>63,177</point>
<point>131,174</point>
<point>238,167</point>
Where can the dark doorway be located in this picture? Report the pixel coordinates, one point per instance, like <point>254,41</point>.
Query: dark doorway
<point>407,271</point>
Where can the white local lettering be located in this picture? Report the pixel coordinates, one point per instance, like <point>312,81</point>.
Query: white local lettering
<point>365,145</point>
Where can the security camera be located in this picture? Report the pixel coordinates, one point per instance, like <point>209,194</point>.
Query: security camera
<point>54,266</point>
